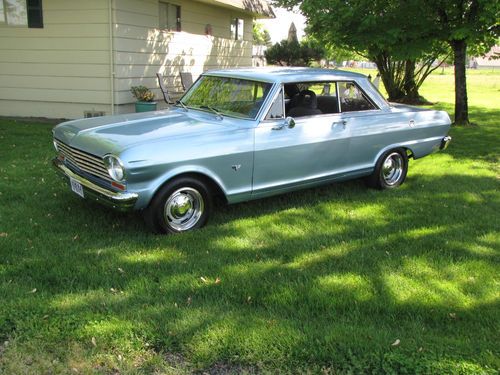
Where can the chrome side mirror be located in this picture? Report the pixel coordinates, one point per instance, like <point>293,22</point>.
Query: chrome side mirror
<point>290,122</point>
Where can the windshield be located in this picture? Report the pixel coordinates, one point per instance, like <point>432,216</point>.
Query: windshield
<point>227,96</point>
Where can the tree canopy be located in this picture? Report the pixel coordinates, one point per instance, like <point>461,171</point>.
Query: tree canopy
<point>261,35</point>
<point>464,25</point>
<point>293,53</point>
<point>403,37</point>
<point>384,31</point>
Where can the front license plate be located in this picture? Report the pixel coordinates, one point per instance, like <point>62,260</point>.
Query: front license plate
<point>76,187</point>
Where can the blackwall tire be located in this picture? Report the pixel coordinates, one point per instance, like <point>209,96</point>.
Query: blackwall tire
<point>390,171</point>
<point>182,205</point>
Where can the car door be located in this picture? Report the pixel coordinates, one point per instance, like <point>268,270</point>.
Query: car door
<point>371,129</point>
<point>291,153</point>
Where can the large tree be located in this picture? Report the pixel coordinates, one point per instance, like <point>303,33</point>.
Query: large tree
<point>464,24</point>
<point>388,32</point>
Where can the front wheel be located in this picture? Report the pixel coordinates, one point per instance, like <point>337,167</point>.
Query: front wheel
<point>390,170</point>
<point>181,205</point>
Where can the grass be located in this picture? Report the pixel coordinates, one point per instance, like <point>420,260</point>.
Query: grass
<point>339,279</point>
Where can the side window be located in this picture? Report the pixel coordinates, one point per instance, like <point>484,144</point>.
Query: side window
<point>352,98</point>
<point>311,98</point>
<point>276,110</point>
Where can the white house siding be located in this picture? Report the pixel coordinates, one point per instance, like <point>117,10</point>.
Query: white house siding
<point>60,70</point>
<point>142,49</point>
<point>65,68</point>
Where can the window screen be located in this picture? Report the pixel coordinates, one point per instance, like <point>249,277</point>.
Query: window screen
<point>15,12</point>
<point>2,13</point>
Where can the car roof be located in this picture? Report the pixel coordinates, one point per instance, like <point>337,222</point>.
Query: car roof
<point>286,74</point>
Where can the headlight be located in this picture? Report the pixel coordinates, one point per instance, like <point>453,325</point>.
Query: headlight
<point>115,167</point>
<point>55,145</point>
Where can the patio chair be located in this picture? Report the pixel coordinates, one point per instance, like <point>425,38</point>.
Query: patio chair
<point>166,93</point>
<point>187,80</point>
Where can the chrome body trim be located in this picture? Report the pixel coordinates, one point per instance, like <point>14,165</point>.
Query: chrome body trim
<point>184,208</point>
<point>84,161</point>
<point>392,168</point>
<point>120,201</point>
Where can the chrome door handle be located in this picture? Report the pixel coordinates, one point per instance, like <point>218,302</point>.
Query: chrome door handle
<point>343,123</point>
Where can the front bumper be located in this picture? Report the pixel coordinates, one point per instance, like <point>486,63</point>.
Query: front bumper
<point>117,200</point>
<point>445,142</point>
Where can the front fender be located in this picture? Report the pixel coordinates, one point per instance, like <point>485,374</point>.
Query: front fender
<point>147,191</point>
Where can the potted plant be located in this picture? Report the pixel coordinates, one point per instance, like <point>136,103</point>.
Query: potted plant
<point>145,99</point>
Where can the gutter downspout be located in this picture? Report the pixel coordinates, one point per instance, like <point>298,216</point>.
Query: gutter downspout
<point>111,57</point>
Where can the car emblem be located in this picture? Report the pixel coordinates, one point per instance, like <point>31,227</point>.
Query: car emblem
<point>236,167</point>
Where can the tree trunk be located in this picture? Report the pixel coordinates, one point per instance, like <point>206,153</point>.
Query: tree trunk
<point>461,106</point>
<point>410,86</point>
<point>393,90</point>
<point>387,74</point>
<point>399,78</point>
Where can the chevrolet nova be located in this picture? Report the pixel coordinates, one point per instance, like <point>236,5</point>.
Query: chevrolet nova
<point>244,134</point>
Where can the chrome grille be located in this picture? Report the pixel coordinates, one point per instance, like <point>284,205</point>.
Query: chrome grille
<point>86,162</point>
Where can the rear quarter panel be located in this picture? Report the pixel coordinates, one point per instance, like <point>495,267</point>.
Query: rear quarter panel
<point>375,132</point>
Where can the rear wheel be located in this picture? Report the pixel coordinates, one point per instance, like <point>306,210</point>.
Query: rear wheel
<point>390,170</point>
<point>181,205</point>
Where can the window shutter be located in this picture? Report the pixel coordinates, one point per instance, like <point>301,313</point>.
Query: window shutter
<point>35,13</point>
<point>178,17</point>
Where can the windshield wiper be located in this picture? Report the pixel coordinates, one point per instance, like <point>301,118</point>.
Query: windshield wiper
<point>182,105</point>
<point>214,110</point>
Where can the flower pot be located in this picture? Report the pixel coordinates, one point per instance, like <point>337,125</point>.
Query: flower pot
<point>145,106</point>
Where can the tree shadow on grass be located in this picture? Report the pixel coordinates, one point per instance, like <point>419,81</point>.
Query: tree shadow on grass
<point>330,275</point>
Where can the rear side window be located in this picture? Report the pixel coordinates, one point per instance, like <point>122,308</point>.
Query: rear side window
<point>325,97</point>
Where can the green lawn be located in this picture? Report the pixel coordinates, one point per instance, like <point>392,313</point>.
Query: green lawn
<point>339,279</point>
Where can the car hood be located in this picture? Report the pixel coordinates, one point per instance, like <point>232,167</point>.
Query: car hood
<point>114,134</point>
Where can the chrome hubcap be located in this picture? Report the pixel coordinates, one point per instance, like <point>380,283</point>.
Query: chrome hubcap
<point>183,208</point>
<point>392,169</point>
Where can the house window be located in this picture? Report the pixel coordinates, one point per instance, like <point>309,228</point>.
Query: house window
<point>170,17</point>
<point>21,13</point>
<point>237,29</point>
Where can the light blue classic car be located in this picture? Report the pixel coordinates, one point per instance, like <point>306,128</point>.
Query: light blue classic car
<point>244,134</point>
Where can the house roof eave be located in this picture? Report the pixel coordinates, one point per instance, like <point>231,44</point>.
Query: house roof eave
<point>257,8</point>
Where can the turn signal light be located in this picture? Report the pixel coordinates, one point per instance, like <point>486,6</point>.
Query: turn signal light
<point>117,185</point>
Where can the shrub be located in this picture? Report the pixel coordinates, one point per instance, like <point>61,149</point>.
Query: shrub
<point>142,93</point>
